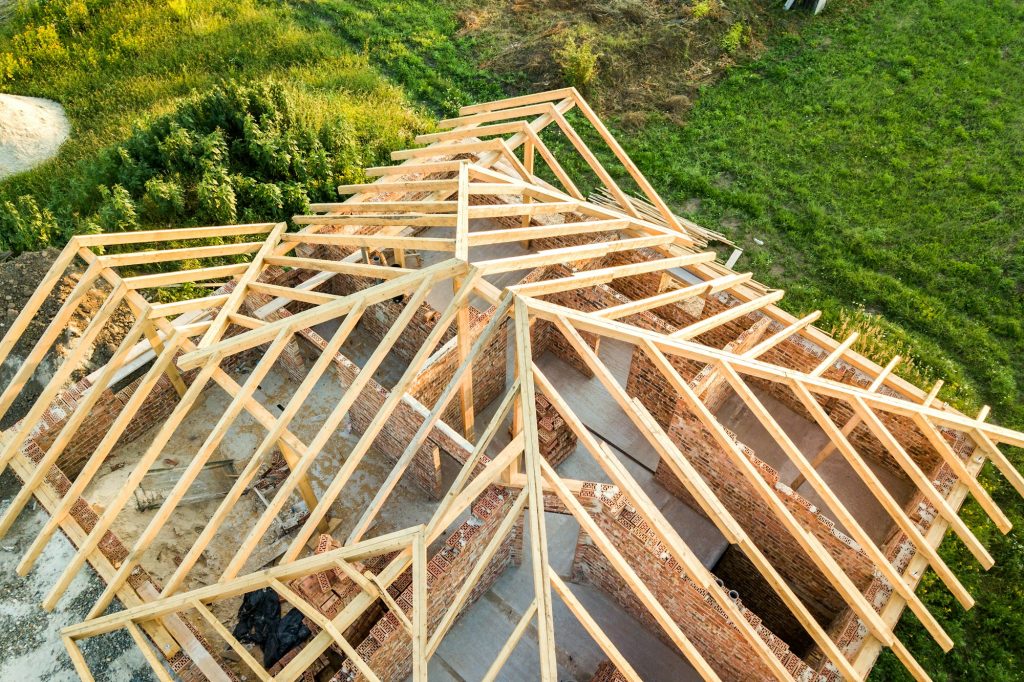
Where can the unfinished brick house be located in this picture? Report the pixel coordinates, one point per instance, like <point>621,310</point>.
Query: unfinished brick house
<point>471,424</point>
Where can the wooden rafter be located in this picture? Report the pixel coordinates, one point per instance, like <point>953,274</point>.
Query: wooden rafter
<point>474,154</point>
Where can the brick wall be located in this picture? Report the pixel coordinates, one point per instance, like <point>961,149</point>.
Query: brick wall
<point>557,441</point>
<point>489,373</point>
<point>607,672</point>
<point>744,503</point>
<point>388,648</point>
<point>694,609</point>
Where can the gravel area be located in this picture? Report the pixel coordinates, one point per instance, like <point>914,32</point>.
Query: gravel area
<point>30,646</point>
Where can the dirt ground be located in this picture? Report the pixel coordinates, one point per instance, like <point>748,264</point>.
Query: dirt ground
<point>20,277</point>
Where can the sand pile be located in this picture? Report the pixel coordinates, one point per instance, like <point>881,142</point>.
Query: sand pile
<point>31,131</point>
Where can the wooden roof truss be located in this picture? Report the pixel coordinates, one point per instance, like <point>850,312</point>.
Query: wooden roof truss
<point>441,186</point>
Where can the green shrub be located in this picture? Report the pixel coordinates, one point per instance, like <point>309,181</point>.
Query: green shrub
<point>40,44</point>
<point>235,152</point>
<point>180,9</point>
<point>163,200</point>
<point>216,198</point>
<point>702,8</point>
<point>734,38</point>
<point>117,212</point>
<point>23,224</point>
<point>578,60</point>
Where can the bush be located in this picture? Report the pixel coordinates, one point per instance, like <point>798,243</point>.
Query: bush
<point>578,60</point>
<point>733,39</point>
<point>240,151</point>
<point>23,224</point>
<point>702,8</point>
<point>117,212</point>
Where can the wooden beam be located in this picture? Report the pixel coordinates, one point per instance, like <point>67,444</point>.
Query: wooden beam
<point>646,187</point>
<point>189,305</point>
<point>31,307</point>
<point>167,606</point>
<point>533,461</point>
<point>553,164</point>
<point>384,207</point>
<point>571,253</point>
<point>381,187</point>
<point>510,644</point>
<point>325,624</point>
<point>297,470</point>
<point>591,278</point>
<point>140,641</point>
<point>594,630</point>
<point>293,293</point>
<point>338,266</point>
<point>77,659</point>
<point>475,132</point>
<point>423,168</point>
<point>117,260</point>
<point>446,150</point>
<point>384,220</point>
<point>420,606</point>
<point>525,209</point>
<point>462,492</point>
<point>57,382</point>
<point>672,296</point>
<point>781,335</point>
<point>834,356</point>
<point>39,350</point>
<point>492,116</point>
<point>603,175</point>
<point>163,279</point>
<point>115,506</point>
<point>984,442</point>
<point>708,323</point>
<point>175,234</point>
<point>225,634</point>
<point>514,102</point>
<point>544,231</point>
